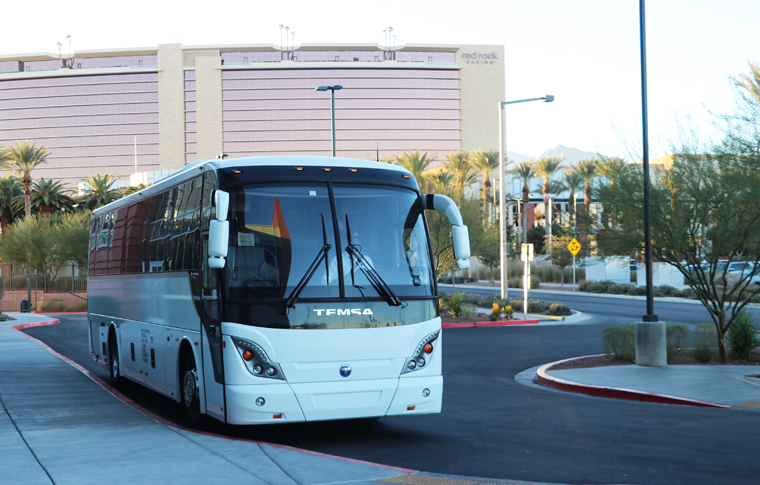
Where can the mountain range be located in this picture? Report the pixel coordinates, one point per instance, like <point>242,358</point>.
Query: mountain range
<point>569,155</point>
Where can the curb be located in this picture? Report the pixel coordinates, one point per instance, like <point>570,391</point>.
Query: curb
<point>501,323</point>
<point>613,392</point>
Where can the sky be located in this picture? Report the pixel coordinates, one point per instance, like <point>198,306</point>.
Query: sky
<point>584,52</point>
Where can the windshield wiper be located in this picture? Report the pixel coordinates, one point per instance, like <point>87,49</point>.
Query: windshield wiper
<point>374,278</point>
<point>291,302</point>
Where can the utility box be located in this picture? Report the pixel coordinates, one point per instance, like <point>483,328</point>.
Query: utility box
<point>662,274</point>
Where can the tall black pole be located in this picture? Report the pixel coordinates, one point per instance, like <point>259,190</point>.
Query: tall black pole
<point>650,316</point>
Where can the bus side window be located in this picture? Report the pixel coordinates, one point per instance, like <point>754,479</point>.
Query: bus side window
<point>158,232</point>
<point>175,243</point>
<point>103,233</point>
<point>192,227</point>
<point>94,233</point>
<point>208,212</point>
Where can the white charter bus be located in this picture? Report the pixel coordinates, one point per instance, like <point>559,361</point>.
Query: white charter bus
<point>273,289</point>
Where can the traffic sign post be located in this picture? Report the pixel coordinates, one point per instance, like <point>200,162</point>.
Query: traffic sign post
<point>526,254</point>
<point>574,247</point>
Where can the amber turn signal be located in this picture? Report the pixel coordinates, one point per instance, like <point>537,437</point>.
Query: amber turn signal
<point>247,355</point>
<point>428,348</point>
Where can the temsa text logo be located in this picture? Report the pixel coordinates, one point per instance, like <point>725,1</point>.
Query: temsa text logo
<point>336,312</point>
<point>479,57</point>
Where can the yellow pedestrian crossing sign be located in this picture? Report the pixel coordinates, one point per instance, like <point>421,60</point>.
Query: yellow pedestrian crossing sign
<point>574,246</point>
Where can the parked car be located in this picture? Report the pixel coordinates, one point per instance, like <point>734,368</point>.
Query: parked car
<point>738,267</point>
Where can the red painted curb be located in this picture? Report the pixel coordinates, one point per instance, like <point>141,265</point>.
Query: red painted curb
<point>500,323</point>
<point>614,392</point>
<point>506,323</point>
<point>118,395</point>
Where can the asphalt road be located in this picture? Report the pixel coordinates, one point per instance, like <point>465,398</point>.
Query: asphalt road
<point>494,427</point>
<point>615,309</point>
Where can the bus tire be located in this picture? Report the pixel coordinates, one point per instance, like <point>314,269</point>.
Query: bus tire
<point>114,363</point>
<point>188,378</point>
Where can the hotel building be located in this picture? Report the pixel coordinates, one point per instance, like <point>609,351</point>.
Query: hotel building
<point>125,111</point>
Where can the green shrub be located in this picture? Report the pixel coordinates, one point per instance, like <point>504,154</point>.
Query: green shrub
<point>619,343</point>
<point>516,304</point>
<point>705,339</point>
<point>742,335</point>
<point>459,279</point>
<point>597,287</point>
<point>3,317</point>
<point>677,339</point>
<point>616,289</point>
<point>547,273</point>
<point>52,307</point>
<point>534,282</point>
<point>78,307</point>
<point>537,306</point>
<point>469,312</point>
<point>515,282</point>
<point>583,285</point>
<point>637,290</point>
<point>559,309</point>
<point>455,304</point>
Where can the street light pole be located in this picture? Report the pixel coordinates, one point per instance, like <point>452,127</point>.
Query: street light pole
<point>503,184</point>
<point>332,88</point>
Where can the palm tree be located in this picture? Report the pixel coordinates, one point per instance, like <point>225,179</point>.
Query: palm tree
<point>10,191</point>
<point>458,164</point>
<point>134,188</point>
<point>416,162</point>
<point>612,168</point>
<point>485,161</point>
<point>441,180</point>
<point>524,171</point>
<point>545,168</point>
<point>100,191</point>
<point>49,196</point>
<point>750,82</point>
<point>22,159</point>
<point>586,168</point>
<point>573,183</point>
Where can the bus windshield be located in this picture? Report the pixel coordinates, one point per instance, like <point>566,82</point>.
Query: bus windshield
<point>363,241</point>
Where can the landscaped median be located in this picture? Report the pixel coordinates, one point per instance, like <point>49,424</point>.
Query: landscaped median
<point>498,323</point>
<point>470,310</point>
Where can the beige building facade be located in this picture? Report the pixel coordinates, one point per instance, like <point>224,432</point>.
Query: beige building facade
<point>138,110</point>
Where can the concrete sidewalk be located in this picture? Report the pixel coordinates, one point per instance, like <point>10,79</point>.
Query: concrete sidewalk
<point>59,426</point>
<point>721,386</point>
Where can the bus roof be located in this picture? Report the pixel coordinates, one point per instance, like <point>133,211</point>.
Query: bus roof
<point>195,168</point>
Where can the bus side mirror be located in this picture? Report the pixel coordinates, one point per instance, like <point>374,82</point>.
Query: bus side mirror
<point>218,243</point>
<point>459,232</point>
<point>222,203</point>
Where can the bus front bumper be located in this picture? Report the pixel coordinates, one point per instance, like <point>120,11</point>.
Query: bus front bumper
<point>329,400</point>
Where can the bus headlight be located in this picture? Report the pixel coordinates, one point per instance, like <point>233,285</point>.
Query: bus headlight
<point>256,360</point>
<point>422,353</point>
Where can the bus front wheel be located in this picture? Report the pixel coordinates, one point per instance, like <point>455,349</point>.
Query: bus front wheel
<point>191,403</point>
<point>114,363</point>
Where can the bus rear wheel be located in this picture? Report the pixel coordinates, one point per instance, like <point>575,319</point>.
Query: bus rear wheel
<point>191,403</point>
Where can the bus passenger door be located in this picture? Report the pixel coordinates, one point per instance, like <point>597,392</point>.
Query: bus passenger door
<point>206,292</point>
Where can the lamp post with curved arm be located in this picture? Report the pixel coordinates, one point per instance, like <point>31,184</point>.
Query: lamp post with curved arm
<point>332,88</point>
<point>503,175</point>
